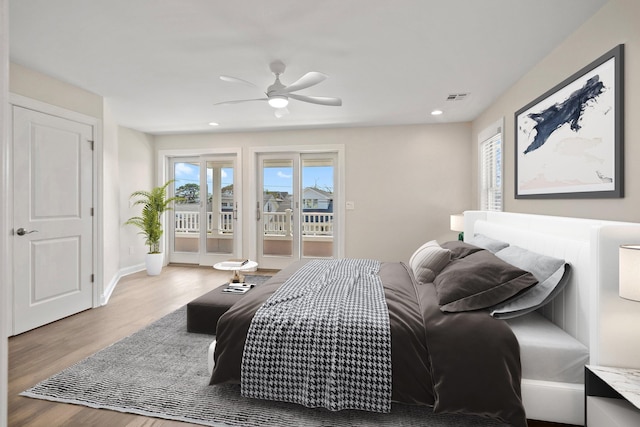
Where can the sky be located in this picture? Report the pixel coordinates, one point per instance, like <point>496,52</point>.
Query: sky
<point>188,173</point>
<point>280,178</point>
<point>275,178</point>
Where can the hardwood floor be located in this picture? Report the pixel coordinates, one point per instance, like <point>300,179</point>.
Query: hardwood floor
<point>137,301</point>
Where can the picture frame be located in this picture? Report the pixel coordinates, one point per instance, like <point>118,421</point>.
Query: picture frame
<point>569,141</point>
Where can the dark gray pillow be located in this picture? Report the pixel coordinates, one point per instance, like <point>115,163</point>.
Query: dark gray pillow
<point>460,249</point>
<point>478,281</point>
<point>484,242</point>
<point>552,274</point>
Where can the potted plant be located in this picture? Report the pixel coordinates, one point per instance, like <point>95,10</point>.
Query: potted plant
<point>154,203</point>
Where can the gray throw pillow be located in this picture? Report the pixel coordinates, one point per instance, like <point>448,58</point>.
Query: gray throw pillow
<point>484,242</point>
<point>552,274</point>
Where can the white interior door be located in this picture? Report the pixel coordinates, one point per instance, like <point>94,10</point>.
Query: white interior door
<point>53,223</point>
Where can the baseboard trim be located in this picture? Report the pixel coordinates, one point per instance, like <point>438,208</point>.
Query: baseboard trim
<point>104,299</point>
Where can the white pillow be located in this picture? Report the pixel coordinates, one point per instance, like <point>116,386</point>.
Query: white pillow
<point>428,260</point>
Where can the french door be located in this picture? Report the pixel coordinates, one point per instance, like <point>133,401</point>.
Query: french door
<point>204,229</point>
<point>295,207</point>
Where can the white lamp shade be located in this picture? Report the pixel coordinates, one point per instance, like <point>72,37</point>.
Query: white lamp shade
<point>630,272</point>
<point>457,222</point>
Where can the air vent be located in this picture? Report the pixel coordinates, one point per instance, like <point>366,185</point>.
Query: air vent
<point>457,96</point>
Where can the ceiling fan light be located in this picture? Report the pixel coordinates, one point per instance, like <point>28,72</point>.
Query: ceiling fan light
<point>278,101</point>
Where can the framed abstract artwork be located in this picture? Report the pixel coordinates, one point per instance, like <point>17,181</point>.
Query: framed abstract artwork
<point>569,141</point>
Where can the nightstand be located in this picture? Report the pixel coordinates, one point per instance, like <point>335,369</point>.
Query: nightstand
<point>612,396</point>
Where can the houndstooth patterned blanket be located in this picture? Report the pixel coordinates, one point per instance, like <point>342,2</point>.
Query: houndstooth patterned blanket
<point>323,339</point>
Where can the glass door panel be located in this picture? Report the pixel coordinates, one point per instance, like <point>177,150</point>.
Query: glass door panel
<point>277,208</point>
<point>205,227</point>
<point>317,214</point>
<point>221,209</point>
<point>187,211</point>
<point>296,207</point>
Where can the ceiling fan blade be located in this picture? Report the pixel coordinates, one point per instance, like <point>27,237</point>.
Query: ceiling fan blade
<point>322,100</point>
<point>240,100</point>
<point>309,79</point>
<point>237,80</point>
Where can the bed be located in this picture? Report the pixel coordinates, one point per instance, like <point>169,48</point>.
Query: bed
<point>588,312</point>
<point>565,330</point>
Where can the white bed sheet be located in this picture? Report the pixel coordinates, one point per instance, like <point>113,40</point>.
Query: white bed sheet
<point>547,352</point>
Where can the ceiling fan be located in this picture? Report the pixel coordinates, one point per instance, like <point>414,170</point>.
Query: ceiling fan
<point>278,95</point>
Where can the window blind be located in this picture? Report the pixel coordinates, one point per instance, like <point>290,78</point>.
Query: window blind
<point>490,152</point>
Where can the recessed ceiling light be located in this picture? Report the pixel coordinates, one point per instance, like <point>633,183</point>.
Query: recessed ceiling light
<point>214,124</point>
<point>436,112</point>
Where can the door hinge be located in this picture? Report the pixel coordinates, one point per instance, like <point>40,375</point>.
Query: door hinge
<point>91,143</point>
<point>91,211</point>
<point>92,278</point>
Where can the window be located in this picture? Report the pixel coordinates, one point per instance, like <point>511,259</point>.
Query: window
<point>310,203</point>
<point>490,171</point>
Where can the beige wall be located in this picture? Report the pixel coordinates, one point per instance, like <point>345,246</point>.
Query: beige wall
<point>404,180</point>
<point>136,172</point>
<point>35,85</point>
<point>110,199</point>
<point>617,22</point>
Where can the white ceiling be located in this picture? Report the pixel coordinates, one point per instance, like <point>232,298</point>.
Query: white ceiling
<point>157,62</point>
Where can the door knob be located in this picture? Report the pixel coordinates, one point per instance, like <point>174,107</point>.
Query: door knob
<point>21,231</point>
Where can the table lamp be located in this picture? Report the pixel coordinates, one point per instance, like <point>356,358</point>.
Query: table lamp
<point>629,279</point>
<point>457,224</point>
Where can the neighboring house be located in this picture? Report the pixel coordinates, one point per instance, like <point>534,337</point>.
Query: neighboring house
<point>316,200</point>
<point>275,201</point>
<point>226,204</point>
<point>313,199</point>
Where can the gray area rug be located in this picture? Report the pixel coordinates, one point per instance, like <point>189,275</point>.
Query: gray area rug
<point>161,371</point>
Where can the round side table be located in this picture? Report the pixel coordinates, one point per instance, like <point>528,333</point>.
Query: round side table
<point>250,265</point>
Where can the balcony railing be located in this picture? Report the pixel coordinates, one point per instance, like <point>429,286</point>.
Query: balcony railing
<point>189,222</point>
<point>275,223</point>
<point>313,223</point>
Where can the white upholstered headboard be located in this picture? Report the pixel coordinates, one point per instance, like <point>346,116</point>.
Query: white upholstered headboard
<point>589,308</point>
